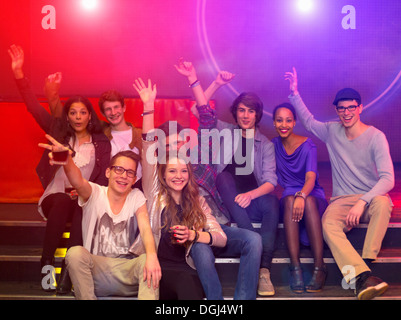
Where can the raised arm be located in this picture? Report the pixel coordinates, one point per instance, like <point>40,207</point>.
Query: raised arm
<point>42,117</point>
<point>52,92</point>
<point>206,115</point>
<point>223,78</point>
<point>188,70</point>
<point>148,97</point>
<point>17,61</point>
<point>319,129</point>
<point>72,172</point>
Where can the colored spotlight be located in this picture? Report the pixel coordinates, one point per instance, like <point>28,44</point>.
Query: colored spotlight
<point>305,5</point>
<point>89,4</point>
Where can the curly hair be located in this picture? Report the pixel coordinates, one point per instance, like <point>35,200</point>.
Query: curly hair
<point>64,131</point>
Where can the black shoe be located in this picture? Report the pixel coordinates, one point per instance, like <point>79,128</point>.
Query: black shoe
<point>296,279</point>
<point>316,284</point>
<point>369,287</point>
<point>64,284</point>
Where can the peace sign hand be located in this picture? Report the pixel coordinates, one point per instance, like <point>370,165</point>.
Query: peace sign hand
<point>59,152</point>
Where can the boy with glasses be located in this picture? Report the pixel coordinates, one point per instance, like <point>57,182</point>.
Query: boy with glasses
<point>119,251</point>
<point>363,174</point>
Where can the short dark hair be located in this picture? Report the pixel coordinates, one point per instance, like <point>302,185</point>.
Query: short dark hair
<point>110,95</point>
<point>128,154</point>
<point>250,100</point>
<point>286,105</point>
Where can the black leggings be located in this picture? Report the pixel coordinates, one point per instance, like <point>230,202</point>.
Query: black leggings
<point>59,209</point>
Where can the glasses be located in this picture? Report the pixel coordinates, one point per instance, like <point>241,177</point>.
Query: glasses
<point>120,170</point>
<point>350,109</point>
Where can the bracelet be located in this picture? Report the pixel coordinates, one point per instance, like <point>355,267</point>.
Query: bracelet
<point>211,238</point>
<point>150,136</point>
<point>196,236</point>
<point>300,194</point>
<point>147,112</point>
<point>194,84</point>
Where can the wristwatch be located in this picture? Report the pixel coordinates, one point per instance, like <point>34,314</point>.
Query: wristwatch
<point>150,136</point>
<point>300,194</point>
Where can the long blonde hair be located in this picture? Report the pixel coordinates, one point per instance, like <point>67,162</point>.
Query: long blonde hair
<point>193,216</point>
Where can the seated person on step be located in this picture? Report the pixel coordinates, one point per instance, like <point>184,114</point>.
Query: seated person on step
<point>114,218</point>
<point>177,210</point>
<point>363,174</point>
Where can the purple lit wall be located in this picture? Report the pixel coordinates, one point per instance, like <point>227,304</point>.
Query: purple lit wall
<point>333,44</point>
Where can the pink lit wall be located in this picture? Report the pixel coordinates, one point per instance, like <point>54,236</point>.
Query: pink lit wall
<point>333,44</point>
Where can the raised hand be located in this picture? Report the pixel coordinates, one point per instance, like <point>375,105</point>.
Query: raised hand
<point>17,60</point>
<point>224,77</point>
<point>293,79</point>
<point>55,78</point>
<point>146,93</point>
<point>52,92</point>
<point>186,69</point>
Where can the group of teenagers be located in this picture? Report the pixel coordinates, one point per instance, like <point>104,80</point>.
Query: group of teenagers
<point>151,227</point>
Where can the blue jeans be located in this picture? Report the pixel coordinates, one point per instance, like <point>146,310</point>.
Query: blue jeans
<point>245,244</point>
<point>265,209</point>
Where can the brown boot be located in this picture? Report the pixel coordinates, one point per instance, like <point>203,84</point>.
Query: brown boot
<point>265,286</point>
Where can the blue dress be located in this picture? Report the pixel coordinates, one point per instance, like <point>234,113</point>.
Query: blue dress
<point>291,170</point>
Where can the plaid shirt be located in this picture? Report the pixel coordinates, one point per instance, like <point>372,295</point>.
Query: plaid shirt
<point>206,173</point>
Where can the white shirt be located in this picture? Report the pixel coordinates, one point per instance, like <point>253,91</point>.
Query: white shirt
<point>84,159</point>
<point>105,233</point>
